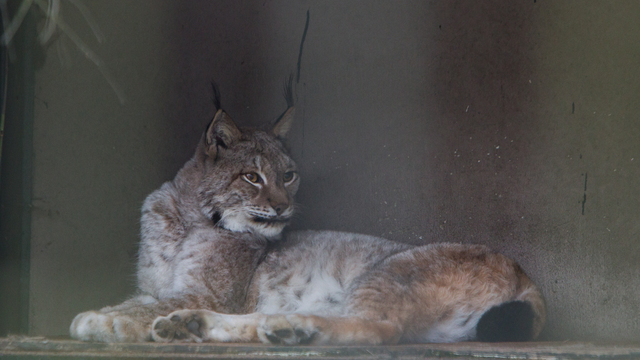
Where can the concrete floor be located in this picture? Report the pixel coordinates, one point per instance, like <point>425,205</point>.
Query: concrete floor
<point>512,124</point>
<point>40,348</point>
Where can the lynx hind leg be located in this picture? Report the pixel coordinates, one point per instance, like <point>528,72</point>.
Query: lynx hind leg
<point>310,329</point>
<point>205,325</point>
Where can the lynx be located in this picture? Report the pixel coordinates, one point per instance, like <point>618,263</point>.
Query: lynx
<point>214,265</point>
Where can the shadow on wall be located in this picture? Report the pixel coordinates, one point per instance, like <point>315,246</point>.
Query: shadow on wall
<point>485,117</point>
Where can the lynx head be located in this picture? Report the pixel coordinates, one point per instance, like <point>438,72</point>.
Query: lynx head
<point>248,180</point>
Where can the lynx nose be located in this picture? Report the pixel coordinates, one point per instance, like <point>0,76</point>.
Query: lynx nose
<point>279,201</point>
<point>280,208</point>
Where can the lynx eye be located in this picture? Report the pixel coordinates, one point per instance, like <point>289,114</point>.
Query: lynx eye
<point>289,176</point>
<point>253,177</point>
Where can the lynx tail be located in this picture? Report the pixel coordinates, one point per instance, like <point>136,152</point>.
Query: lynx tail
<point>510,321</point>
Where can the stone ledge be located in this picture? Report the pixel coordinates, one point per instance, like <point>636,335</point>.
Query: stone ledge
<point>41,348</point>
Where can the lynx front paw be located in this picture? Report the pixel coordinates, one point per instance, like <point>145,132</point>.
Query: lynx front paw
<point>109,327</point>
<point>287,329</point>
<point>182,325</point>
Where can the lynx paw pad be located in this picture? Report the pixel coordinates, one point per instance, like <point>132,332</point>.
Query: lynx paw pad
<point>287,329</point>
<point>179,326</point>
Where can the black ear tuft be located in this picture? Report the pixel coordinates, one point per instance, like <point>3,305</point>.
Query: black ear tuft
<point>288,91</point>
<point>509,321</point>
<point>216,95</point>
<point>284,122</point>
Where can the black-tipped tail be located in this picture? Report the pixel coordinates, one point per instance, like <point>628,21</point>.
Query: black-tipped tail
<point>510,321</point>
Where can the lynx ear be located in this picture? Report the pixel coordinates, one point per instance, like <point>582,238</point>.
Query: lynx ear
<point>284,122</point>
<point>221,132</point>
<point>283,125</point>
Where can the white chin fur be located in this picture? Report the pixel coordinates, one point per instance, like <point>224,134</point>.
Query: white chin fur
<point>241,223</point>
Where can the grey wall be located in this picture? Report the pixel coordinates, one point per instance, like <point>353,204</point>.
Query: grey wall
<point>487,122</point>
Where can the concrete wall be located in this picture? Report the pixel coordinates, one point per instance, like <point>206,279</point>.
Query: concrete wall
<point>508,123</point>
